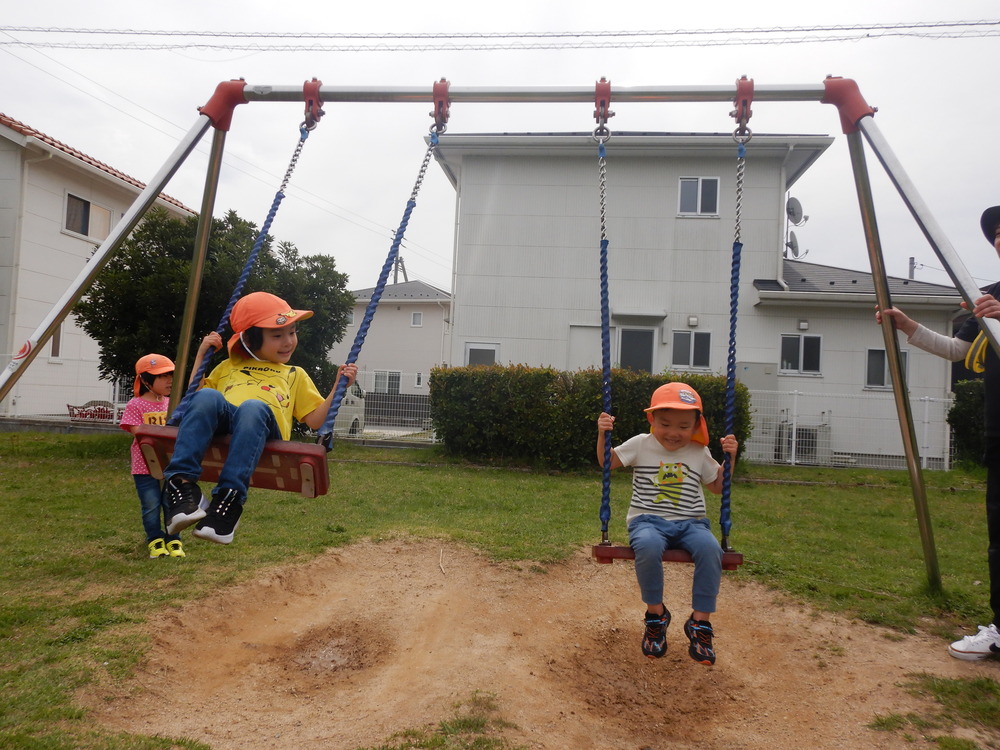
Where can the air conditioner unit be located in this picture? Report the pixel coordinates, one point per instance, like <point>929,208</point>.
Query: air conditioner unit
<point>812,444</point>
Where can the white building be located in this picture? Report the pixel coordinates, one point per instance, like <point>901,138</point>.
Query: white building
<point>526,272</point>
<point>409,335</point>
<point>56,206</point>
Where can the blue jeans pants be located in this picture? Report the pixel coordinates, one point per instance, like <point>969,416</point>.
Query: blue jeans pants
<point>650,535</point>
<point>151,504</point>
<point>208,415</point>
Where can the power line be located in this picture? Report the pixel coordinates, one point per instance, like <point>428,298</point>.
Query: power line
<point>480,41</point>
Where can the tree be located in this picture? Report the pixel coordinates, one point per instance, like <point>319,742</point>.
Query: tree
<point>136,304</point>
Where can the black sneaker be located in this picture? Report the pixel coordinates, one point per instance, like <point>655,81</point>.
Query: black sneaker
<point>223,517</point>
<point>182,502</point>
<point>700,633</point>
<point>654,640</point>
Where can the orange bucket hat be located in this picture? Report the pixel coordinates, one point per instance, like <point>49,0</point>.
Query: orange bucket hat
<point>154,364</point>
<point>679,396</point>
<point>263,310</point>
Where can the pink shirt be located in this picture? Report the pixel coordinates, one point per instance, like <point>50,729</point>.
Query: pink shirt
<point>141,411</point>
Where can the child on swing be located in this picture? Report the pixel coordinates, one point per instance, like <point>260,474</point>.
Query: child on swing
<point>252,396</point>
<point>154,377</point>
<point>667,511</point>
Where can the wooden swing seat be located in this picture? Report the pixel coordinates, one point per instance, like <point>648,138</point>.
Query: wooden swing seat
<point>607,554</point>
<point>284,465</point>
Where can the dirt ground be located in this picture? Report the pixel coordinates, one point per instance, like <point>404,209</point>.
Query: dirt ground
<point>378,638</point>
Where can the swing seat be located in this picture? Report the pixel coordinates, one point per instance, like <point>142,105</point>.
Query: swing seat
<point>284,465</point>
<point>607,554</point>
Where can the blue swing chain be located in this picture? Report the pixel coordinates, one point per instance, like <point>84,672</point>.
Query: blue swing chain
<point>601,135</point>
<point>741,136</point>
<point>326,431</point>
<point>195,384</point>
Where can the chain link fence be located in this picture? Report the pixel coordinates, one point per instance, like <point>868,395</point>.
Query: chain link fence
<point>788,427</point>
<point>829,429</point>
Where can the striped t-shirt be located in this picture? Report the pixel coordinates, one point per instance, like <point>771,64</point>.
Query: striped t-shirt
<point>667,483</point>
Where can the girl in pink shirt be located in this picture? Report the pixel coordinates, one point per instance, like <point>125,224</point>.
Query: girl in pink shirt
<point>154,377</point>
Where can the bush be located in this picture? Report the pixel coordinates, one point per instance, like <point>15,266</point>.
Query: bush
<point>542,416</point>
<point>966,418</point>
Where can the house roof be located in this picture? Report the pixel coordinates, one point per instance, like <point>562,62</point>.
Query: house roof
<point>797,152</point>
<point>408,291</point>
<point>813,279</point>
<point>29,132</point>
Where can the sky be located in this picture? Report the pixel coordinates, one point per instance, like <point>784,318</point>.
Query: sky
<point>937,109</point>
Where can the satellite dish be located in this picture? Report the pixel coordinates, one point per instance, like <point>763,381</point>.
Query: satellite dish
<point>794,211</point>
<point>792,244</point>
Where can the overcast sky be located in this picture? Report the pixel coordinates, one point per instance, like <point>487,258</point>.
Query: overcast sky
<point>937,101</point>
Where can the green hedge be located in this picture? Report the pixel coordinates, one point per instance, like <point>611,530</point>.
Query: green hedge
<point>545,417</point>
<point>967,421</point>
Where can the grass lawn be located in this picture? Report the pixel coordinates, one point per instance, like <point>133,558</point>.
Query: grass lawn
<point>76,581</point>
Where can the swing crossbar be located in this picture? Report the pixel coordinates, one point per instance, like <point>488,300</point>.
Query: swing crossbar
<point>607,554</point>
<point>284,465</point>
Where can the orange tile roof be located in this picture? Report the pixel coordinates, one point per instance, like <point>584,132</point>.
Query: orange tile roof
<point>27,130</point>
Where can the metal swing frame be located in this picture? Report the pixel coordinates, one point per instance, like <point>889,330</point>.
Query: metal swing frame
<point>857,123</point>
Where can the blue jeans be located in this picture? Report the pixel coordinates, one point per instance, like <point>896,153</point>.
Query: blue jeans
<point>208,415</point>
<point>650,535</point>
<point>151,503</point>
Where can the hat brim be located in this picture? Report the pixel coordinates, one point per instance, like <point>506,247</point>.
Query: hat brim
<point>989,222</point>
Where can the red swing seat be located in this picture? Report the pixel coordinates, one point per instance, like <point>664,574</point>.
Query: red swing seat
<point>284,465</point>
<point>607,554</point>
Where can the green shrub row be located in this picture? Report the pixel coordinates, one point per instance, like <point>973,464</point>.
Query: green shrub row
<point>967,421</point>
<point>548,418</point>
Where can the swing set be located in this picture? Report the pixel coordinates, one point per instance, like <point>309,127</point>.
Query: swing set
<point>302,468</point>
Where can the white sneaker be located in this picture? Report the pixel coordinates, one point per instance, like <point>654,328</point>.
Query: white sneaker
<point>979,646</point>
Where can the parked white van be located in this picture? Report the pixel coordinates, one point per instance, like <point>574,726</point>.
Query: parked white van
<point>351,417</point>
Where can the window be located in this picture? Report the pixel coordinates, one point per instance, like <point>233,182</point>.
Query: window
<point>699,195</point>
<point>350,318</point>
<point>691,348</point>
<point>635,349</point>
<point>800,353</point>
<point>481,354</point>
<point>56,343</point>
<point>418,380</point>
<point>83,217</point>
<point>387,381</point>
<point>877,368</point>
<point>416,320</point>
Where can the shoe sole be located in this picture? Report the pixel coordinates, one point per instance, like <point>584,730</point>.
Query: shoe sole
<point>209,534</point>
<point>183,520</point>
<point>968,655</point>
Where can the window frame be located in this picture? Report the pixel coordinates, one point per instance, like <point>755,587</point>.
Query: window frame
<point>886,385</point>
<point>801,354</point>
<point>692,349</point>
<point>385,379</point>
<point>87,218</point>
<point>700,195</point>
<point>482,346</point>
<point>417,319</point>
<point>651,330</point>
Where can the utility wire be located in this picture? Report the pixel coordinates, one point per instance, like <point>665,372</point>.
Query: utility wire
<point>479,41</point>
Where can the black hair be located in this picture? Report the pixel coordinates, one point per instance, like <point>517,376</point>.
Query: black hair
<point>251,339</point>
<point>146,381</point>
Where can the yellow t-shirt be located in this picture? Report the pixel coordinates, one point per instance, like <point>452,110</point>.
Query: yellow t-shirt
<point>288,390</point>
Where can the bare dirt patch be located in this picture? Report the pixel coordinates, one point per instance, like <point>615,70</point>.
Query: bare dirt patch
<point>362,642</point>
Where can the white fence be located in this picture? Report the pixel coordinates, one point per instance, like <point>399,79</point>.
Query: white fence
<point>824,429</point>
